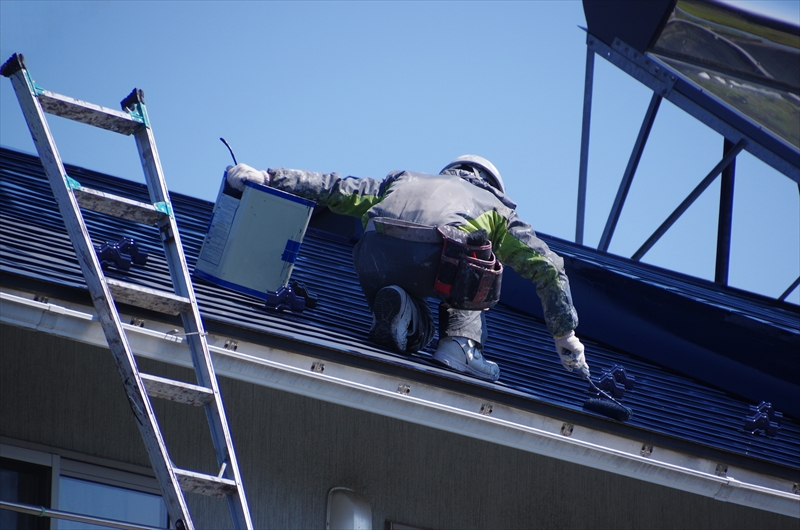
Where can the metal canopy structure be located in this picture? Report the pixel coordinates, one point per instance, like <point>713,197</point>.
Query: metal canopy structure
<point>736,72</point>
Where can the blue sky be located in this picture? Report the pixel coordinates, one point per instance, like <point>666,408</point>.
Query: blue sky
<point>364,88</point>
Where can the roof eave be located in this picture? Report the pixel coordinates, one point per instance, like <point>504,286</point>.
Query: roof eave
<point>430,405</point>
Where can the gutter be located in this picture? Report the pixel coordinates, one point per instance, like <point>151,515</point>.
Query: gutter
<point>423,404</point>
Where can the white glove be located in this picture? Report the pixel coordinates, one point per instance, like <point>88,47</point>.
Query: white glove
<point>570,349</point>
<point>239,174</point>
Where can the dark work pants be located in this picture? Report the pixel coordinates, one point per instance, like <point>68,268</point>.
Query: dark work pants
<point>381,261</point>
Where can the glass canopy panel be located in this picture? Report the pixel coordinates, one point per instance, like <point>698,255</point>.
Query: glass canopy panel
<point>749,61</point>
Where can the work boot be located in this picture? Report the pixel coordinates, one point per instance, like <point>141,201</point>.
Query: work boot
<point>464,355</point>
<point>393,315</point>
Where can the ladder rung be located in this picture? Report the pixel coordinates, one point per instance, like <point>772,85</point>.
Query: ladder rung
<point>97,201</point>
<point>135,295</point>
<point>178,391</point>
<point>89,113</point>
<point>205,484</point>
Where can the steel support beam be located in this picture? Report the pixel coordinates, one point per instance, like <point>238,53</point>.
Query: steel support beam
<point>788,291</point>
<point>725,218</point>
<point>630,171</point>
<point>584,161</point>
<point>688,201</point>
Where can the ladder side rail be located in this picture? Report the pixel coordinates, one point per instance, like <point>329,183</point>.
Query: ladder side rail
<point>101,298</point>
<point>193,325</point>
<point>170,236</point>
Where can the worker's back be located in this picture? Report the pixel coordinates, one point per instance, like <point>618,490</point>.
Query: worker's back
<point>436,200</point>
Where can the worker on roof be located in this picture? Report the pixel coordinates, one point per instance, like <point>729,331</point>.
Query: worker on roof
<point>444,236</point>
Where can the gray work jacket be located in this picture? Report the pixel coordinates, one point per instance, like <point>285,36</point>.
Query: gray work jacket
<point>455,198</point>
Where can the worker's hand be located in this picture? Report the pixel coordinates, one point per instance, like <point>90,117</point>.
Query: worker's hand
<point>239,174</point>
<point>570,349</point>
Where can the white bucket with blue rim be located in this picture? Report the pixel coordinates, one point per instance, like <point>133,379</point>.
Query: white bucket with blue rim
<point>252,241</point>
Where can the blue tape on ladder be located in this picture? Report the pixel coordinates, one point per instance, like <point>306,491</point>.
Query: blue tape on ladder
<point>291,250</point>
<point>72,183</point>
<point>163,207</point>
<point>139,113</point>
<point>35,89</point>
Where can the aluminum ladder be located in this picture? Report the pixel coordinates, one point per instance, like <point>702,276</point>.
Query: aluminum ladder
<point>71,197</point>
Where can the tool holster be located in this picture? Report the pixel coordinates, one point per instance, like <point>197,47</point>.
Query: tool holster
<point>469,274</point>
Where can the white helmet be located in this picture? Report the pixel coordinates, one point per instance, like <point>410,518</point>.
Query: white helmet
<point>480,166</point>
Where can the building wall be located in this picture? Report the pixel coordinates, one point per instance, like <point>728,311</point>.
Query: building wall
<point>293,450</point>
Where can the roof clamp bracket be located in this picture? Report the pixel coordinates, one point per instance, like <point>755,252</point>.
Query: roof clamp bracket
<point>294,298</point>
<point>615,381</point>
<point>721,470</point>
<point>486,409</point>
<point>566,429</point>
<point>764,419</point>
<point>647,450</point>
<point>404,389</point>
<point>121,254</point>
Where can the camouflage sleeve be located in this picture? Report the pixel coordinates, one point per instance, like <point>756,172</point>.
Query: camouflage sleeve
<point>347,196</point>
<point>519,248</point>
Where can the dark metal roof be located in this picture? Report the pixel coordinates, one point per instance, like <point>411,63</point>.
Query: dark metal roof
<point>669,406</point>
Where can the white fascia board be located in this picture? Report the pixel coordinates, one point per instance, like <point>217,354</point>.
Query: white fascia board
<point>419,403</point>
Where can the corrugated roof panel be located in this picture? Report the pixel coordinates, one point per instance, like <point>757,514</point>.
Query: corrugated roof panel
<point>34,245</point>
<point>752,305</point>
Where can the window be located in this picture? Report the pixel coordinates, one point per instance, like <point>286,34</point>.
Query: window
<point>68,484</point>
<point>111,502</point>
<point>24,483</point>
